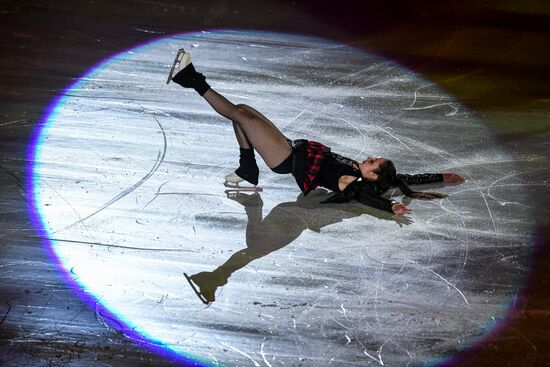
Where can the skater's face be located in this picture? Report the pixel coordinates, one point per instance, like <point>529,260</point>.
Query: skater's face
<point>369,166</point>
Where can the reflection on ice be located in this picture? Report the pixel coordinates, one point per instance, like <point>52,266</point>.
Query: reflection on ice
<point>278,229</point>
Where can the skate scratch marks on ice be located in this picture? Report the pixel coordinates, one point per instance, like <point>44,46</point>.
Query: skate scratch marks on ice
<point>80,220</point>
<point>489,211</point>
<point>298,115</point>
<point>438,152</point>
<point>369,68</point>
<point>412,108</point>
<point>342,325</point>
<point>380,75</point>
<point>338,118</point>
<point>160,158</point>
<point>157,193</point>
<point>99,244</point>
<point>263,354</point>
<point>348,339</point>
<point>445,280</point>
<point>241,352</point>
<point>365,352</point>
<point>343,311</point>
<point>376,292</point>
<point>449,104</point>
<point>504,178</point>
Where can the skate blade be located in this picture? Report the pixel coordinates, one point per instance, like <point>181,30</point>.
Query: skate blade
<point>244,189</point>
<point>175,64</point>
<point>231,185</point>
<point>197,292</point>
<point>235,187</point>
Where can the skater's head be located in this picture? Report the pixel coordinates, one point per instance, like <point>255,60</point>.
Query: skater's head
<point>387,175</point>
<point>380,171</point>
<point>373,169</point>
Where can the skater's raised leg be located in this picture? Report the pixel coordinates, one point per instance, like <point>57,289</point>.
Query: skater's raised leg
<point>253,130</point>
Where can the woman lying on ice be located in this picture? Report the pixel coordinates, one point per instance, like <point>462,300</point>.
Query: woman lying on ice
<point>311,163</point>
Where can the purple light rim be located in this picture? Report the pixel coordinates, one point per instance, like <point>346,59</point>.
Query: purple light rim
<point>113,320</point>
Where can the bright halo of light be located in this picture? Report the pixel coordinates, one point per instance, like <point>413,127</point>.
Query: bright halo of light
<point>121,180</point>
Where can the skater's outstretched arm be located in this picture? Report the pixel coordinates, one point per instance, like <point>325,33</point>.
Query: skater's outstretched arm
<point>425,178</point>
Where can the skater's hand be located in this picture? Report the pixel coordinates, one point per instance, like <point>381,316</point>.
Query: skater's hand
<point>400,208</point>
<point>402,220</point>
<point>452,178</point>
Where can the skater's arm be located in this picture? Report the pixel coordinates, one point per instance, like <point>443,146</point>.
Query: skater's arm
<point>357,190</point>
<point>426,178</point>
<point>421,178</point>
<point>381,203</point>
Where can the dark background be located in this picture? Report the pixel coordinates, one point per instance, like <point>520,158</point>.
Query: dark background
<point>492,56</point>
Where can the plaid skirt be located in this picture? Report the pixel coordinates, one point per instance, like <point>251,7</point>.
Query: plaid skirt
<point>308,158</point>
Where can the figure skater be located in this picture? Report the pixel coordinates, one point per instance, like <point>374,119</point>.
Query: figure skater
<point>311,163</point>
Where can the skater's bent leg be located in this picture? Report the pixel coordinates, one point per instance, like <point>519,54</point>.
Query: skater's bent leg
<point>264,136</point>
<point>255,128</point>
<point>241,137</point>
<point>266,139</point>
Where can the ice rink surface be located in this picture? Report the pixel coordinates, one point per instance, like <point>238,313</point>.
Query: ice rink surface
<point>128,181</point>
<point>111,185</point>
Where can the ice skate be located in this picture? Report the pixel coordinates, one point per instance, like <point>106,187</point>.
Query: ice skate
<point>233,182</point>
<point>181,60</point>
<point>204,284</point>
<point>248,171</point>
<point>183,73</point>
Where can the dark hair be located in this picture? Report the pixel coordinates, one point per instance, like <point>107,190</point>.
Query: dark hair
<point>387,177</point>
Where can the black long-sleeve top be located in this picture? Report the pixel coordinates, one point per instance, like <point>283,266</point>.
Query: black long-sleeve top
<point>335,166</point>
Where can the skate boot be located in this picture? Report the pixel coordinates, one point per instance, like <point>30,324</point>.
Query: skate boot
<point>233,179</point>
<point>206,283</point>
<point>186,75</point>
<point>247,171</point>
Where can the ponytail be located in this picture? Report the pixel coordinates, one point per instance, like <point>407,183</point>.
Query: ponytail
<point>405,189</point>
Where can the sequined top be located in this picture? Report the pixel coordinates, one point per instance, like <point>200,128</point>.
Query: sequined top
<point>335,166</point>
<point>329,167</point>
